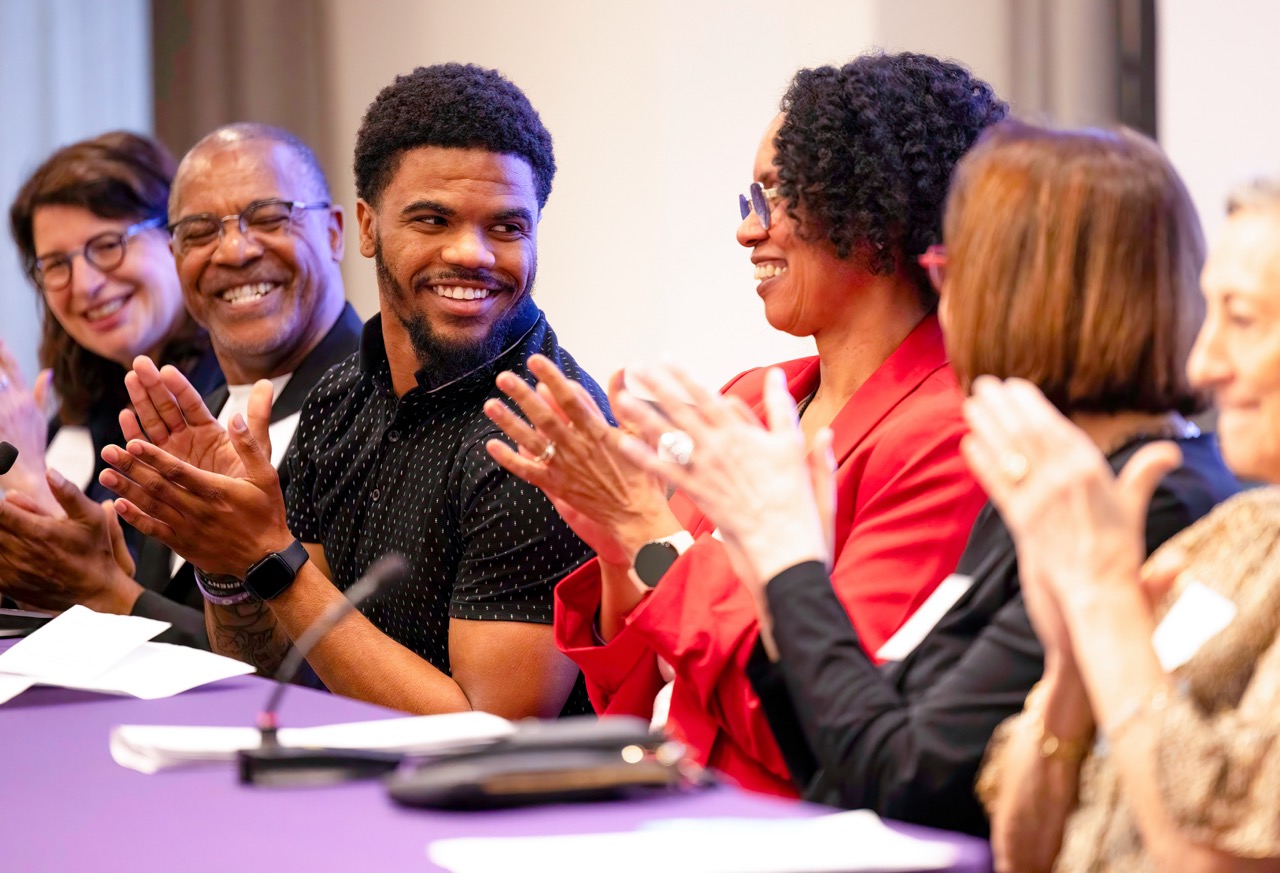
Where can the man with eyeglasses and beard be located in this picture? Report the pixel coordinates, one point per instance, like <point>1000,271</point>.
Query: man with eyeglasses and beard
<point>453,167</point>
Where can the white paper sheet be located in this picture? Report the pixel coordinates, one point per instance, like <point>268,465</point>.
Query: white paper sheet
<point>12,686</point>
<point>155,670</point>
<point>111,654</point>
<point>845,842</point>
<point>151,748</point>
<point>78,646</point>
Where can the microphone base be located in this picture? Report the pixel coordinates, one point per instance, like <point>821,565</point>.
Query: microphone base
<point>284,767</point>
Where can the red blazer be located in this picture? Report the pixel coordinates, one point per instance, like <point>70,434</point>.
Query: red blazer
<point>905,503</point>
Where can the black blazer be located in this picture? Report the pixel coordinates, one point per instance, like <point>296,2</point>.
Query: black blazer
<point>906,739</point>
<point>174,597</point>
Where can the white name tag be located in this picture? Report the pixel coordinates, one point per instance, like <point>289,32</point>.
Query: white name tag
<point>924,619</point>
<point>1198,615</point>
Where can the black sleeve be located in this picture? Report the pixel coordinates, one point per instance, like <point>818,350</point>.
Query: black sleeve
<point>770,686</point>
<point>909,758</point>
<point>187,624</point>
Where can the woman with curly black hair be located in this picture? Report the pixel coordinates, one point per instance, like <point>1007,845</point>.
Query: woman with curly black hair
<point>849,185</point>
<point>1072,265</point>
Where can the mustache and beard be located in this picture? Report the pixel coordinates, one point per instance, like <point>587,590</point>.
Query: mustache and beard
<point>444,358</point>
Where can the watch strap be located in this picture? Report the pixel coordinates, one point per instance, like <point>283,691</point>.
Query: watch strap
<point>272,576</point>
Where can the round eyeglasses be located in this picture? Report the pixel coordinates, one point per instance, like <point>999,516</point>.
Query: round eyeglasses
<point>104,252</point>
<point>761,200</point>
<point>260,220</point>
<point>934,261</point>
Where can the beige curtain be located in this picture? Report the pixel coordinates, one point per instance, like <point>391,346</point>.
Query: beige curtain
<point>1085,62</point>
<point>221,61</point>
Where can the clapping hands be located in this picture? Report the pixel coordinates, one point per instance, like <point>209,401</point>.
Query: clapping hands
<point>771,495</point>
<point>1076,525</point>
<point>210,495</point>
<point>24,422</point>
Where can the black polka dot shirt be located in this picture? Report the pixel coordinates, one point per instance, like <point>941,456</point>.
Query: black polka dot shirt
<point>371,473</point>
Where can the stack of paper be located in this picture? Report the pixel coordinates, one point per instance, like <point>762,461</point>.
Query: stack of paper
<point>112,654</point>
<point>150,748</point>
<point>843,842</point>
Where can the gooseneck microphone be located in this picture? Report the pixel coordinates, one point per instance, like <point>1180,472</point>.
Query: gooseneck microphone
<point>273,764</point>
<point>8,454</point>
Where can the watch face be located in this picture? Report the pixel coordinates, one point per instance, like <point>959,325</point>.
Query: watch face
<point>654,560</point>
<point>271,576</point>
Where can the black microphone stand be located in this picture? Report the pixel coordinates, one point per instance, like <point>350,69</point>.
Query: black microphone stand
<point>274,764</point>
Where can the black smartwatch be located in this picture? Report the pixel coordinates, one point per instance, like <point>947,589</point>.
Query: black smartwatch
<point>273,575</point>
<point>655,558</point>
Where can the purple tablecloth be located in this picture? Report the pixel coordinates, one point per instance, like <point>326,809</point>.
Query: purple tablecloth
<point>65,805</point>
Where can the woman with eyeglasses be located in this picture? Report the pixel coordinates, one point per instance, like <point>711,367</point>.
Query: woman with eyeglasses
<point>1072,263</point>
<point>848,190</point>
<point>90,228</point>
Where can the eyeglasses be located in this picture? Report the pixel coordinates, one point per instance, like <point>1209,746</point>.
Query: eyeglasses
<point>260,220</point>
<point>934,261</point>
<point>760,199</point>
<point>104,252</point>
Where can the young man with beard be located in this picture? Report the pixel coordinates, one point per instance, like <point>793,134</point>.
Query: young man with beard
<point>453,167</point>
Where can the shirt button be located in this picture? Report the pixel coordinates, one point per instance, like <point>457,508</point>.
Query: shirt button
<point>394,436</point>
<point>376,494</point>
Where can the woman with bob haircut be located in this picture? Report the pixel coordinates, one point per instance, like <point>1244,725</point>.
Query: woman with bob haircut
<point>1166,676</point>
<point>89,225</point>
<point>1071,262</point>
<point>847,192</point>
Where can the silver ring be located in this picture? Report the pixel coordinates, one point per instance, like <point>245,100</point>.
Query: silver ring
<point>676,446</point>
<point>1014,466</point>
<point>547,454</point>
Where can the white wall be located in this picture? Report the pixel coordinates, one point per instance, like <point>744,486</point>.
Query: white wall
<point>977,33</point>
<point>69,69</point>
<point>656,109</point>
<point>1218,86</point>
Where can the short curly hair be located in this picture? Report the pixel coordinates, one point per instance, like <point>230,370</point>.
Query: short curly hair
<point>866,151</point>
<point>459,106</point>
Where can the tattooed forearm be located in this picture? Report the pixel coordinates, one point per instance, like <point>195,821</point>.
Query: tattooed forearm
<point>248,632</point>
